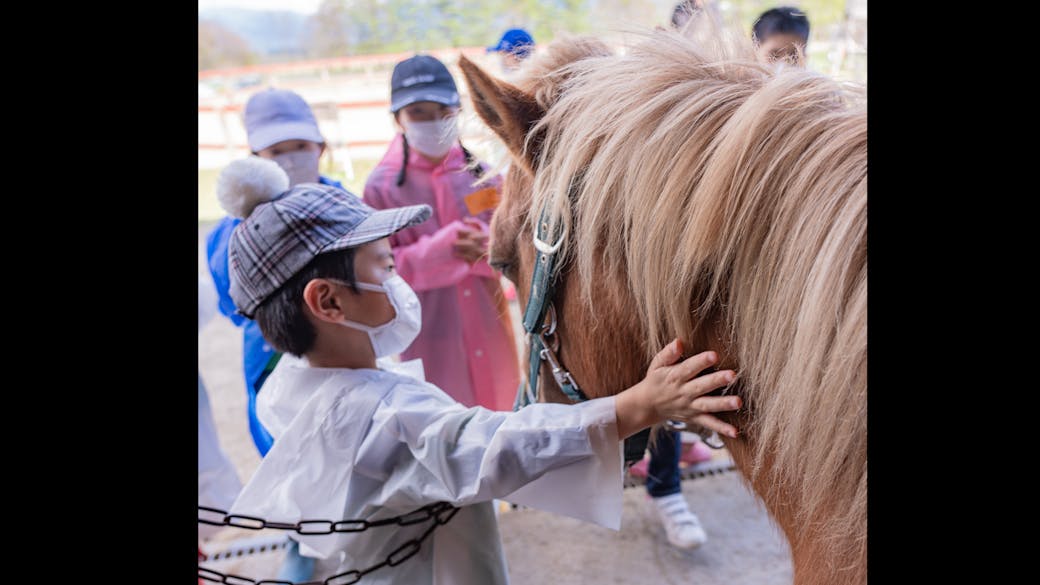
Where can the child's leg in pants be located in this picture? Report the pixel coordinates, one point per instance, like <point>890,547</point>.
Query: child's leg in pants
<point>296,566</point>
<point>662,478</point>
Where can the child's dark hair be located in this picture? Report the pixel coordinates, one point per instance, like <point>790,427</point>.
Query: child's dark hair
<point>783,19</point>
<point>471,162</point>
<point>683,11</point>
<point>281,316</point>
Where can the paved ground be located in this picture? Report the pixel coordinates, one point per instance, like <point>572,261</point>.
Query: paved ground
<point>744,547</point>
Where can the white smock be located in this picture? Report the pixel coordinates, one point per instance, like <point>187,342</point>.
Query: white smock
<point>218,482</point>
<point>371,444</point>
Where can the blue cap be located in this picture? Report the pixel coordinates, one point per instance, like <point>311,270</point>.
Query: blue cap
<point>516,41</point>
<point>277,115</point>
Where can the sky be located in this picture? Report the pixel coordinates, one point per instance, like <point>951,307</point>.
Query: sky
<point>301,6</point>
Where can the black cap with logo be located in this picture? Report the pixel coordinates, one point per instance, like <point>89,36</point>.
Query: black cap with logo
<point>422,79</point>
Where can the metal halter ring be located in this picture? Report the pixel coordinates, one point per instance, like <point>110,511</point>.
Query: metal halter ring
<point>549,329</point>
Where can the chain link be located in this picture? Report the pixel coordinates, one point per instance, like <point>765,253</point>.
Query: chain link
<point>440,512</point>
<point>217,517</point>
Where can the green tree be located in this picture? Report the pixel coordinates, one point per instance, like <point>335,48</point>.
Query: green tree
<point>453,21</point>
<point>402,30</point>
<point>367,19</point>
<point>573,15</point>
<point>327,32</point>
<point>219,47</point>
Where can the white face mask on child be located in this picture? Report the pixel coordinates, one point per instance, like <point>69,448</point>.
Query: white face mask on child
<point>300,165</point>
<point>397,334</point>
<point>433,138</point>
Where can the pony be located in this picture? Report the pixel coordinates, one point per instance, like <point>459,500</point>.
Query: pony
<point>704,196</point>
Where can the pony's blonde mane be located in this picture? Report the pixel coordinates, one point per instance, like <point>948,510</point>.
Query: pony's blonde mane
<point>724,192</point>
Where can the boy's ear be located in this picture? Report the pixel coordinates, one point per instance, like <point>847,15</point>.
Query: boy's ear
<point>322,301</point>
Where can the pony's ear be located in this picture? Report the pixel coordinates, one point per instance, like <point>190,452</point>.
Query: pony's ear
<point>505,108</point>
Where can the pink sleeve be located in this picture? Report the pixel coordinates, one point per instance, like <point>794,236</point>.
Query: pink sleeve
<point>430,262</point>
<point>371,195</point>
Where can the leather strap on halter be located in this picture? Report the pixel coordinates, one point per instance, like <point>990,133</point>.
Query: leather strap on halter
<point>539,303</point>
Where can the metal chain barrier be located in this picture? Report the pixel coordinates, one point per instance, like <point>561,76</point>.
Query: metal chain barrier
<point>440,513</point>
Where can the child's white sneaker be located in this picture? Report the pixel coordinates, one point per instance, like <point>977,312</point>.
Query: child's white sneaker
<point>682,526</point>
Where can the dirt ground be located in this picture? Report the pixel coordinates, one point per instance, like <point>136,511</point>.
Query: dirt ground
<point>744,546</point>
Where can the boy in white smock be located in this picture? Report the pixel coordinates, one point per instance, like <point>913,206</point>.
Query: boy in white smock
<point>313,265</point>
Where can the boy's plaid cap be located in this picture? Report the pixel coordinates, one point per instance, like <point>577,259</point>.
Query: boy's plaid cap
<point>280,237</point>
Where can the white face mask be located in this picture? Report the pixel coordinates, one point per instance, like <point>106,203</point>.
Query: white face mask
<point>300,165</point>
<point>397,334</point>
<point>433,138</point>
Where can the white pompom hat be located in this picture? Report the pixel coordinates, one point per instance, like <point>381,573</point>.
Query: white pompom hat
<point>246,183</point>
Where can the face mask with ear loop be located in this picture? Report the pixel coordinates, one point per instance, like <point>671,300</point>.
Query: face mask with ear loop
<point>433,138</point>
<point>397,334</point>
<point>300,165</point>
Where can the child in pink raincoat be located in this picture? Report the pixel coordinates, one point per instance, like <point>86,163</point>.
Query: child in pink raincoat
<point>466,343</point>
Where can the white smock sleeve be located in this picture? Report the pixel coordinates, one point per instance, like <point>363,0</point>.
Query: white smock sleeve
<point>423,446</point>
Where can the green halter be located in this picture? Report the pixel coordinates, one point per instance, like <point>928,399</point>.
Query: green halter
<point>544,342</point>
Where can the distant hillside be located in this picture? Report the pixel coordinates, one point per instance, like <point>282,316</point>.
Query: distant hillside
<point>272,34</point>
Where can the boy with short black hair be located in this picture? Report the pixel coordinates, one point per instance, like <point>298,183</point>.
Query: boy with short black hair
<point>684,11</point>
<point>781,34</point>
<point>356,440</point>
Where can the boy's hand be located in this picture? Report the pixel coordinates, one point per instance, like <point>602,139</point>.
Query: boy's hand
<point>679,391</point>
<point>676,392</point>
